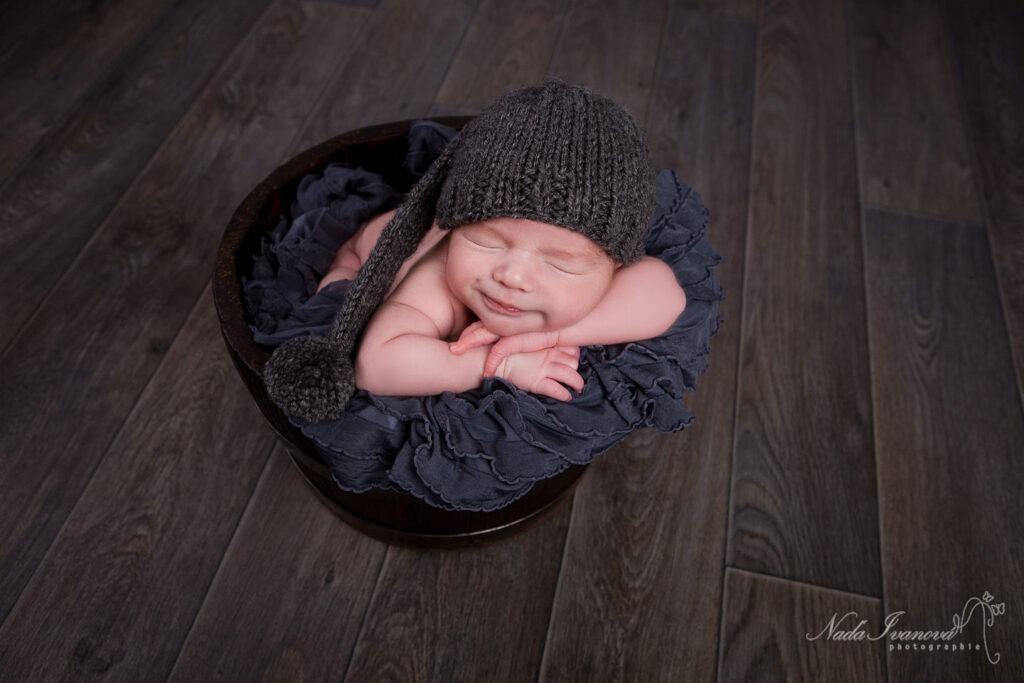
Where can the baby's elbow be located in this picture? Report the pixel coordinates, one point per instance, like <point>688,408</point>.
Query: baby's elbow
<point>671,307</point>
<point>672,301</point>
<point>370,372</point>
<point>362,373</point>
<point>678,297</point>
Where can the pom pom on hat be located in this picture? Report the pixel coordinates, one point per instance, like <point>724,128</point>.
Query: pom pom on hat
<point>306,377</point>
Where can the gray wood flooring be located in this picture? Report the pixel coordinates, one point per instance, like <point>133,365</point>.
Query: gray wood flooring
<point>858,456</point>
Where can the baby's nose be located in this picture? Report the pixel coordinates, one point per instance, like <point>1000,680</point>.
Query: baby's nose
<point>514,272</point>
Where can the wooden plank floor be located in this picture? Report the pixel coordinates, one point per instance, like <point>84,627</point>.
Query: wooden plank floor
<point>856,465</point>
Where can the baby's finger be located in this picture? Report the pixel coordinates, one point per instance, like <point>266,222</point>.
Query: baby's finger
<point>499,352</point>
<point>549,387</point>
<point>573,351</point>
<point>518,343</point>
<point>562,356</point>
<point>566,375</point>
<point>473,336</point>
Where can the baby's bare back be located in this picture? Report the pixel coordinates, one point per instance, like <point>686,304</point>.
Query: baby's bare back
<point>351,256</point>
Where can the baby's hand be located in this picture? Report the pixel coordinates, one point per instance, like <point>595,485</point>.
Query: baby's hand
<point>477,335</point>
<point>525,342</point>
<point>544,371</point>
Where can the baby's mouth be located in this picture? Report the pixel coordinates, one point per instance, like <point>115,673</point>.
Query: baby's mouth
<point>500,307</point>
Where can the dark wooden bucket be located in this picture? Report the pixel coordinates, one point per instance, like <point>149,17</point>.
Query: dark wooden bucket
<point>390,516</point>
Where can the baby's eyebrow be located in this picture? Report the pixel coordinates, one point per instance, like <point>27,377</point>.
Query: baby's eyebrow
<point>566,254</point>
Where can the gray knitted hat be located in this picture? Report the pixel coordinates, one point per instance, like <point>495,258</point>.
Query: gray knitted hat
<point>554,153</point>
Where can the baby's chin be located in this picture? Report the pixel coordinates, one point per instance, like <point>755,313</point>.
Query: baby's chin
<point>507,326</point>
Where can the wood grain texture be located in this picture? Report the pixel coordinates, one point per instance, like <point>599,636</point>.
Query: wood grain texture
<point>612,47</point>
<point>990,63</point>
<point>54,204</point>
<point>289,597</point>
<point>74,373</point>
<point>656,505</point>
<point>394,70</point>
<point>910,137</point>
<point>19,22</point>
<point>354,3</point>
<point>508,45</point>
<point>949,436</point>
<point>745,10</point>
<point>116,593</point>
<point>47,75</point>
<point>475,614</point>
<point>803,492</point>
<point>772,630</point>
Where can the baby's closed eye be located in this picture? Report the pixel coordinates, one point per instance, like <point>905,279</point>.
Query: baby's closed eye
<point>485,241</point>
<point>569,268</point>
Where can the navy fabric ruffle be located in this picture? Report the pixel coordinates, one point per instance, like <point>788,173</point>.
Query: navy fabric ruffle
<point>482,449</point>
<point>280,296</point>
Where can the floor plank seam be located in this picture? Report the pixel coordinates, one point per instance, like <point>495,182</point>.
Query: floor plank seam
<point>801,582</point>
<point>919,215</point>
<point>366,610</point>
<point>972,152</point>
<point>558,585</point>
<point>558,40</point>
<point>715,671</point>
<point>656,74</point>
<point>432,110</point>
<point>223,555</point>
<point>862,209</point>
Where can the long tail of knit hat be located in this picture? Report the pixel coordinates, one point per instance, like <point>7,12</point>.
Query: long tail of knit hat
<point>554,153</point>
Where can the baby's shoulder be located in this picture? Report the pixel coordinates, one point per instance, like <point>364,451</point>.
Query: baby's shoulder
<point>426,289</point>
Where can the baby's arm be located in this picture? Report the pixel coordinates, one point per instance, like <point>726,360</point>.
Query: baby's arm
<point>643,301</point>
<point>403,354</point>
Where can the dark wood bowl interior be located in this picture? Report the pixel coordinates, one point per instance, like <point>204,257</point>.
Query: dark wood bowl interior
<point>387,515</point>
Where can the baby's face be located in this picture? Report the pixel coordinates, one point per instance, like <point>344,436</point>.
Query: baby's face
<point>519,275</point>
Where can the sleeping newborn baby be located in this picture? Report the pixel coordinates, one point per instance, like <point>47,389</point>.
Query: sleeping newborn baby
<point>523,241</point>
<point>519,295</point>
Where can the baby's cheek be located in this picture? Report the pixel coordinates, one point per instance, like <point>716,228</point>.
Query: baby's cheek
<point>565,311</point>
<point>579,301</point>
<point>456,280</point>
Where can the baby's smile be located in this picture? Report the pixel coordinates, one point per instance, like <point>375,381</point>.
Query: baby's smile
<point>501,307</point>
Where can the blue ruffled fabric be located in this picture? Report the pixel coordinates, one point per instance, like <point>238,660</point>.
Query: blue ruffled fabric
<point>482,449</point>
